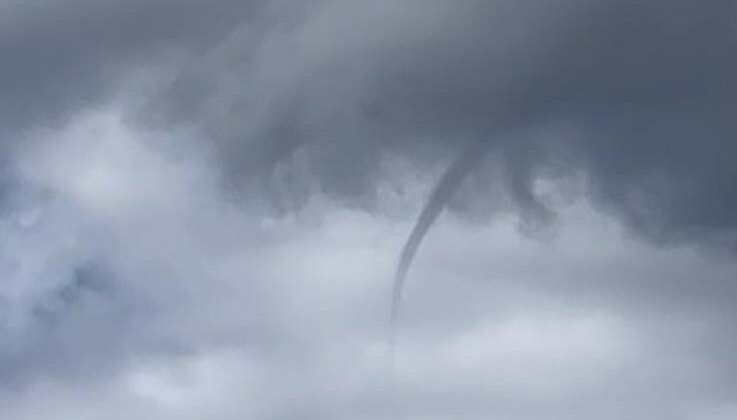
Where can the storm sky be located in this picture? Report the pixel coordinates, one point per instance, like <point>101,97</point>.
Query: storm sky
<point>203,203</point>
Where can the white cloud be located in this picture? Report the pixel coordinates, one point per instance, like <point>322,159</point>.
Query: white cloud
<point>242,314</point>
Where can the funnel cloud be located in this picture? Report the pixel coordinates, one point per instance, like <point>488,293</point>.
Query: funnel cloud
<point>442,192</point>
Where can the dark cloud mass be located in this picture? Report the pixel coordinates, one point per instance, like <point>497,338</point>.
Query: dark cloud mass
<point>201,203</point>
<point>649,88</point>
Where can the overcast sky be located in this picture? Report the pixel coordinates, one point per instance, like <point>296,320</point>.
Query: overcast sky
<point>203,203</point>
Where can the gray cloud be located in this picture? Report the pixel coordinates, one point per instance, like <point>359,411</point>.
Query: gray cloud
<point>201,204</point>
<point>60,57</point>
<point>352,83</point>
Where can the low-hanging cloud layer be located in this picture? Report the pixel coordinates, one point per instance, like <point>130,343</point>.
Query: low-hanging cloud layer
<point>202,206</point>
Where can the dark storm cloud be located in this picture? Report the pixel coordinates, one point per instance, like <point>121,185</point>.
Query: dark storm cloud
<point>350,83</point>
<point>649,86</point>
